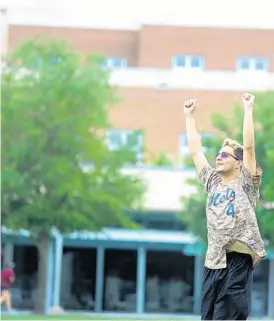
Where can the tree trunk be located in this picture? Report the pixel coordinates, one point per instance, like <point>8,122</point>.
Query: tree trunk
<point>43,245</point>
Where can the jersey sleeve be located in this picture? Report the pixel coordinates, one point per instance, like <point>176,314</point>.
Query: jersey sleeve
<point>209,178</point>
<point>251,183</point>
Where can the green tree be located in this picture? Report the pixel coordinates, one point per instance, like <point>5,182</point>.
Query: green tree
<point>193,208</point>
<point>161,160</point>
<point>56,168</point>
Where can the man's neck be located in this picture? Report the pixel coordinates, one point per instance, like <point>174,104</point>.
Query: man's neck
<point>226,179</point>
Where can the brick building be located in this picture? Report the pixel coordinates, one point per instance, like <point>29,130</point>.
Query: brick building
<point>159,66</point>
<point>161,55</point>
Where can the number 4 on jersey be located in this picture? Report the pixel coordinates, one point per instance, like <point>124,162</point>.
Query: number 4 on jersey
<point>230,210</point>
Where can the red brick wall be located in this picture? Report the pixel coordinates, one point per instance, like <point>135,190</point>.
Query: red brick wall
<point>153,46</point>
<point>220,46</point>
<point>160,113</point>
<point>108,42</point>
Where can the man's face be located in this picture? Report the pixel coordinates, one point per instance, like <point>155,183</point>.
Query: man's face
<point>226,161</point>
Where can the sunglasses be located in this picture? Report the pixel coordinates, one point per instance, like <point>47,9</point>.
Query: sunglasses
<point>225,155</point>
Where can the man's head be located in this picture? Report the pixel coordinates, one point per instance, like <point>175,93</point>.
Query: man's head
<point>229,158</point>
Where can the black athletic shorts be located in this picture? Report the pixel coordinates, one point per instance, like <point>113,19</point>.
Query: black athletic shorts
<point>226,293</point>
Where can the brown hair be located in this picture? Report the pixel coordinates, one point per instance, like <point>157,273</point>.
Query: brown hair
<point>238,149</point>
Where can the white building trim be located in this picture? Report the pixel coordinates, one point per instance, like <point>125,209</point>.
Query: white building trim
<point>168,79</point>
<point>131,14</point>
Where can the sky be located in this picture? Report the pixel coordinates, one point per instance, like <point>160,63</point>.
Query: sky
<point>131,14</point>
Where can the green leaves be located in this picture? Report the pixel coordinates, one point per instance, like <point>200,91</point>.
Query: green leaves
<point>50,116</point>
<point>193,212</point>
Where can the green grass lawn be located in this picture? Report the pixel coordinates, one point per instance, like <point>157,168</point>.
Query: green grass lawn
<point>83,317</point>
<point>47,317</point>
<point>93,317</point>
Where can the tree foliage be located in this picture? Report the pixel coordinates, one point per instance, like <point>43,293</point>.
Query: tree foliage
<point>160,160</point>
<point>55,104</point>
<point>193,212</point>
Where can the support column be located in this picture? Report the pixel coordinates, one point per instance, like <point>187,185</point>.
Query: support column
<point>58,258</point>
<point>271,290</point>
<point>198,279</point>
<point>49,284</point>
<point>99,279</point>
<point>141,280</point>
<point>8,252</point>
<point>66,277</point>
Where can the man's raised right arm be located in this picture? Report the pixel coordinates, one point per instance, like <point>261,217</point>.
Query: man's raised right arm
<point>193,137</point>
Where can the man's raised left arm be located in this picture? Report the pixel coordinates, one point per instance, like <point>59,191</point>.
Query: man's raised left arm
<point>249,157</point>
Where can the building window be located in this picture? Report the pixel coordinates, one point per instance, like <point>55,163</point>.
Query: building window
<point>207,140</point>
<point>188,61</point>
<point>179,61</point>
<point>115,62</point>
<point>55,59</point>
<point>196,61</point>
<point>244,64</point>
<point>261,64</point>
<point>252,63</point>
<point>117,139</point>
<point>183,147</point>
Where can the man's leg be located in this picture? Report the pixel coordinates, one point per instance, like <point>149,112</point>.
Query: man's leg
<point>6,298</point>
<point>3,295</point>
<point>8,301</point>
<point>208,295</point>
<point>2,298</point>
<point>234,295</point>
<point>220,307</point>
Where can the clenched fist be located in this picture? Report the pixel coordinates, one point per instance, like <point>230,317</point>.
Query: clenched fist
<point>248,100</point>
<point>190,106</point>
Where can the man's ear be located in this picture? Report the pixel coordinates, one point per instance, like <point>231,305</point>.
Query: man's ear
<point>239,165</point>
